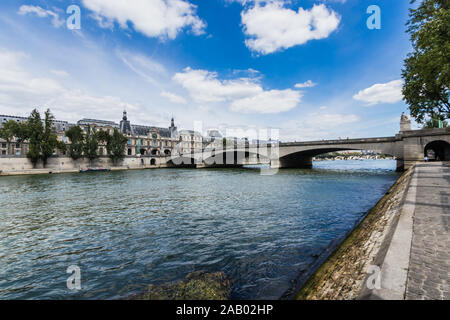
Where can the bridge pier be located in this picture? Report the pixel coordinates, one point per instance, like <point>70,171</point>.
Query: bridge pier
<point>298,162</point>
<point>400,165</point>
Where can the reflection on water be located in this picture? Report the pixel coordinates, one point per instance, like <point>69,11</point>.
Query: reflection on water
<point>128,229</point>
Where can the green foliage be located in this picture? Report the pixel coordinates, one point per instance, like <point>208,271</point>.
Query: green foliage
<point>426,70</point>
<point>41,136</point>
<point>90,147</point>
<point>49,141</point>
<point>116,146</point>
<point>8,130</point>
<point>75,134</point>
<point>35,130</point>
<point>436,121</point>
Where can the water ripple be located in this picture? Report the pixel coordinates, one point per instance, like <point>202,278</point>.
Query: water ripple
<point>129,229</point>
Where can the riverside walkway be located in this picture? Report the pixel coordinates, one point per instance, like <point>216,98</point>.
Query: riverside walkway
<point>429,263</point>
<point>417,263</point>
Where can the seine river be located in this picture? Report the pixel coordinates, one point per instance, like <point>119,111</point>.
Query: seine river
<point>132,228</point>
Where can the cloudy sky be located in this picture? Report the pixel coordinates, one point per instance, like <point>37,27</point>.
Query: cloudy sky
<point>311,68</point>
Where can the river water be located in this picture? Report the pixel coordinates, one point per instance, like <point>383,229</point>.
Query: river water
<point>128,229</point>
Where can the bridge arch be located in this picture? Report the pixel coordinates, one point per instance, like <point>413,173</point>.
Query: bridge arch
<point>239,157</point>
<point>437,150</point>
<point>302,157</point>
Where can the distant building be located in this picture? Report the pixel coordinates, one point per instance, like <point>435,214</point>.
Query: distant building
<point>142,140</point>
<point>213,139</point>
<point>59,125</point>
<point>189,142</point>
<point>21,149</point>
<point>148,140</point>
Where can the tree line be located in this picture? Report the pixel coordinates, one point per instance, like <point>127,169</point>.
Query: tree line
<point>426,70</point>
<point>43,140</point>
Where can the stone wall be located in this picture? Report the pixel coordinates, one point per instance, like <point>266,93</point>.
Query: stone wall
<point>342,275</point>
<point>16,165</point>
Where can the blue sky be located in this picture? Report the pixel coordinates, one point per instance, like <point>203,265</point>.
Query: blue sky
<point>310,68</point>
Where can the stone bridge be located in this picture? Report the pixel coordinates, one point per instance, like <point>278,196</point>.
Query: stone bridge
<point>408,147</point>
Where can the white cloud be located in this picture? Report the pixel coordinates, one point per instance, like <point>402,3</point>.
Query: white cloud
<point>273,101</point>
<point>390,92</point>
<point>153,18</point>
<point>60,73</point>
<point>21,91</point>
<point>307,84</point>
<point>271,27</point>
<point>245,95</point>
<point>327,120</point>
<point>144,66</point>
<point>318,125</point>
<point>41,13</point>
<point>203,86</point>
<point>173,97</point>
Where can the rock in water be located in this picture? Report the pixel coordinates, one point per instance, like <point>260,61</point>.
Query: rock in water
<point>198,285</point>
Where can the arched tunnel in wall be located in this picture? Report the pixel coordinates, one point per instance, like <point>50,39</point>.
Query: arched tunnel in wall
<point>438,150</point>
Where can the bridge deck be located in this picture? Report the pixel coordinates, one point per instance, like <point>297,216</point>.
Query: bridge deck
<point>339,141</point>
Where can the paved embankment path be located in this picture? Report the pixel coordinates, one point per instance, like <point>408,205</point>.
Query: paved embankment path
<point>429,262</point>
<point>403,244</point>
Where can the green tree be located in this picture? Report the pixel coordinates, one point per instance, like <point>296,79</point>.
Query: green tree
<point>50,140</point>
<point>41,136</point>
<point>90,147</point>
<point>35,132</point>
<point>116,146</point>
<point>8,131</point>
<point>426,71</point>
<point>436,121</point>
<point>76,136</point>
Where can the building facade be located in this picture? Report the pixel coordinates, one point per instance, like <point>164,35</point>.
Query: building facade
<point>142,140</point>
<point>14,148</point>
<point>189,142</point>
<point>148,140</point>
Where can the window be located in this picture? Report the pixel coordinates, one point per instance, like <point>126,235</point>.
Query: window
<point>3,145</point>
<point>129,152</point>
<point>129,142</point>
<point>17,145</point>
<point>3,152</point>
<point>17,152</point>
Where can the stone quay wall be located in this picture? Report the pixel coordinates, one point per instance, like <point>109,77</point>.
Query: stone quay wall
<point>20,165</point>
<point>344,273</point>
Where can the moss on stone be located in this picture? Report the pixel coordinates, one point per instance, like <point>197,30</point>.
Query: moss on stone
<point>342,273</point>
<point>197,285</point>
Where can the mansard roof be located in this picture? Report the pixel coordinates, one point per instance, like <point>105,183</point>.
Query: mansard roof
<point>145,130</point>
<point>97,121</point>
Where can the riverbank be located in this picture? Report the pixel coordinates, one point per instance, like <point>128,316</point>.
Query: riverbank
<point>343,274</point>
<point>16,166</point>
